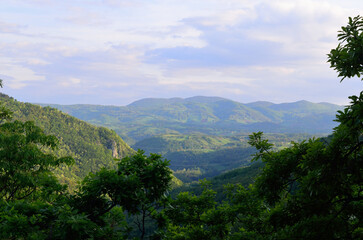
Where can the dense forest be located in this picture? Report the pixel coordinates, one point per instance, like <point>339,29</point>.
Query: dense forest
<point>309,190</point>
<point>197,156</point>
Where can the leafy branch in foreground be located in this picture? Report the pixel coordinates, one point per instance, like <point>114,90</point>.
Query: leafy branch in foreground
<point>347,57</point>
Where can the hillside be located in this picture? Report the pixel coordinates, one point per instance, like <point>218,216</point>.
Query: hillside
<point>208,115</point>
<point>243,175</point>
<point>92,147</point>
<point>198,156</point>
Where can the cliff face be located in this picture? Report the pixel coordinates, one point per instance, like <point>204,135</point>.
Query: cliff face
<point>114,150</point>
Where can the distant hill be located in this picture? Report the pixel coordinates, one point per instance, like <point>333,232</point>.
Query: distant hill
<point>92,147</point>
<point>198,156</point>
<point>243,175</point>
<point>208,115</point>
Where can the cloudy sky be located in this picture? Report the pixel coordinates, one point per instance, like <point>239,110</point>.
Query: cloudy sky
<point>118,51</point>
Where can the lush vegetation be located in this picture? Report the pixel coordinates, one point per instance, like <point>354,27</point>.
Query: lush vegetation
<point>91,147</point>
<point>310,190</point>
<point>192,157</point>
<point>207,115</point>
<point>198,156</point>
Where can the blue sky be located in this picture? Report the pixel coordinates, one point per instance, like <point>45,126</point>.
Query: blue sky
<point>115,51</point>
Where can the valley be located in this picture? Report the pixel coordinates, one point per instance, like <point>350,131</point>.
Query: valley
<point>202,137</point>
<point>205,115</point>
<point>206,136</point>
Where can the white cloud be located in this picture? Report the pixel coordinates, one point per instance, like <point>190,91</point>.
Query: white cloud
<point>135,49</point>
<point>16,76</point>
<point>36,61</point>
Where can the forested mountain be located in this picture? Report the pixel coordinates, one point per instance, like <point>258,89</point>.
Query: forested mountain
<point>197,156</point>
<point>189,132</point>
<point>92,147</point>
<point>208,115</point>
<point>245,176</point>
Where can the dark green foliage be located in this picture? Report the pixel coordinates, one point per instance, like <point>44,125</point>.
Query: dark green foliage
<point>24,219</point>
<point>311,190</point>
<point>137,185</point>
<point>347,57</point>
<point>33,205</point>
<point>23,164</point>
<point>316,182</point>
<point>194,217</point>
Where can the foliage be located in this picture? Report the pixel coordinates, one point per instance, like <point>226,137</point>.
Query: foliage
<point>137,185</point>
<point>347,57</point>
<point>34,205</point>
<point>319,182</point>
<point>316,182</point>
<point>243,176</point>
<point>197,156</point>
<point>91,147</point>
<point>194,217</point>
<point>24,166</point>
<point>311,190</point>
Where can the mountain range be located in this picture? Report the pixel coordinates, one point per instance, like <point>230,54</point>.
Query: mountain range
<point>207,115</point>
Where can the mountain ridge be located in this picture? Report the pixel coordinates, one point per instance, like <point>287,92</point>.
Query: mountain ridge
<point>208,115</point>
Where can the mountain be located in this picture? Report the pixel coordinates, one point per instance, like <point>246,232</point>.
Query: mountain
<point>243,175</point>
<point>207,115</point>
<point>163,144</point>
<point>92,147</point>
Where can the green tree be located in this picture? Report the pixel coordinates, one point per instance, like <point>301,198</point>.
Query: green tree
<point>25,167</point>
<point>314,188</point>
<point>347,57</point>
<point>311,190</point>
<point>137,185</point>
<point>189,216</point>
<point>33,204</point>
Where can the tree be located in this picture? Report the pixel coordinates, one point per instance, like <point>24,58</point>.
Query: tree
<point>25,167</point>
<point>314,188</point>
<point>33,204</point>
<point>137,185</point>
<point>347,57</point>
<point>193,217</point>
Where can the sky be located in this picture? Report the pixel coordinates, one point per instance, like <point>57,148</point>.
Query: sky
<point>114,52</point>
